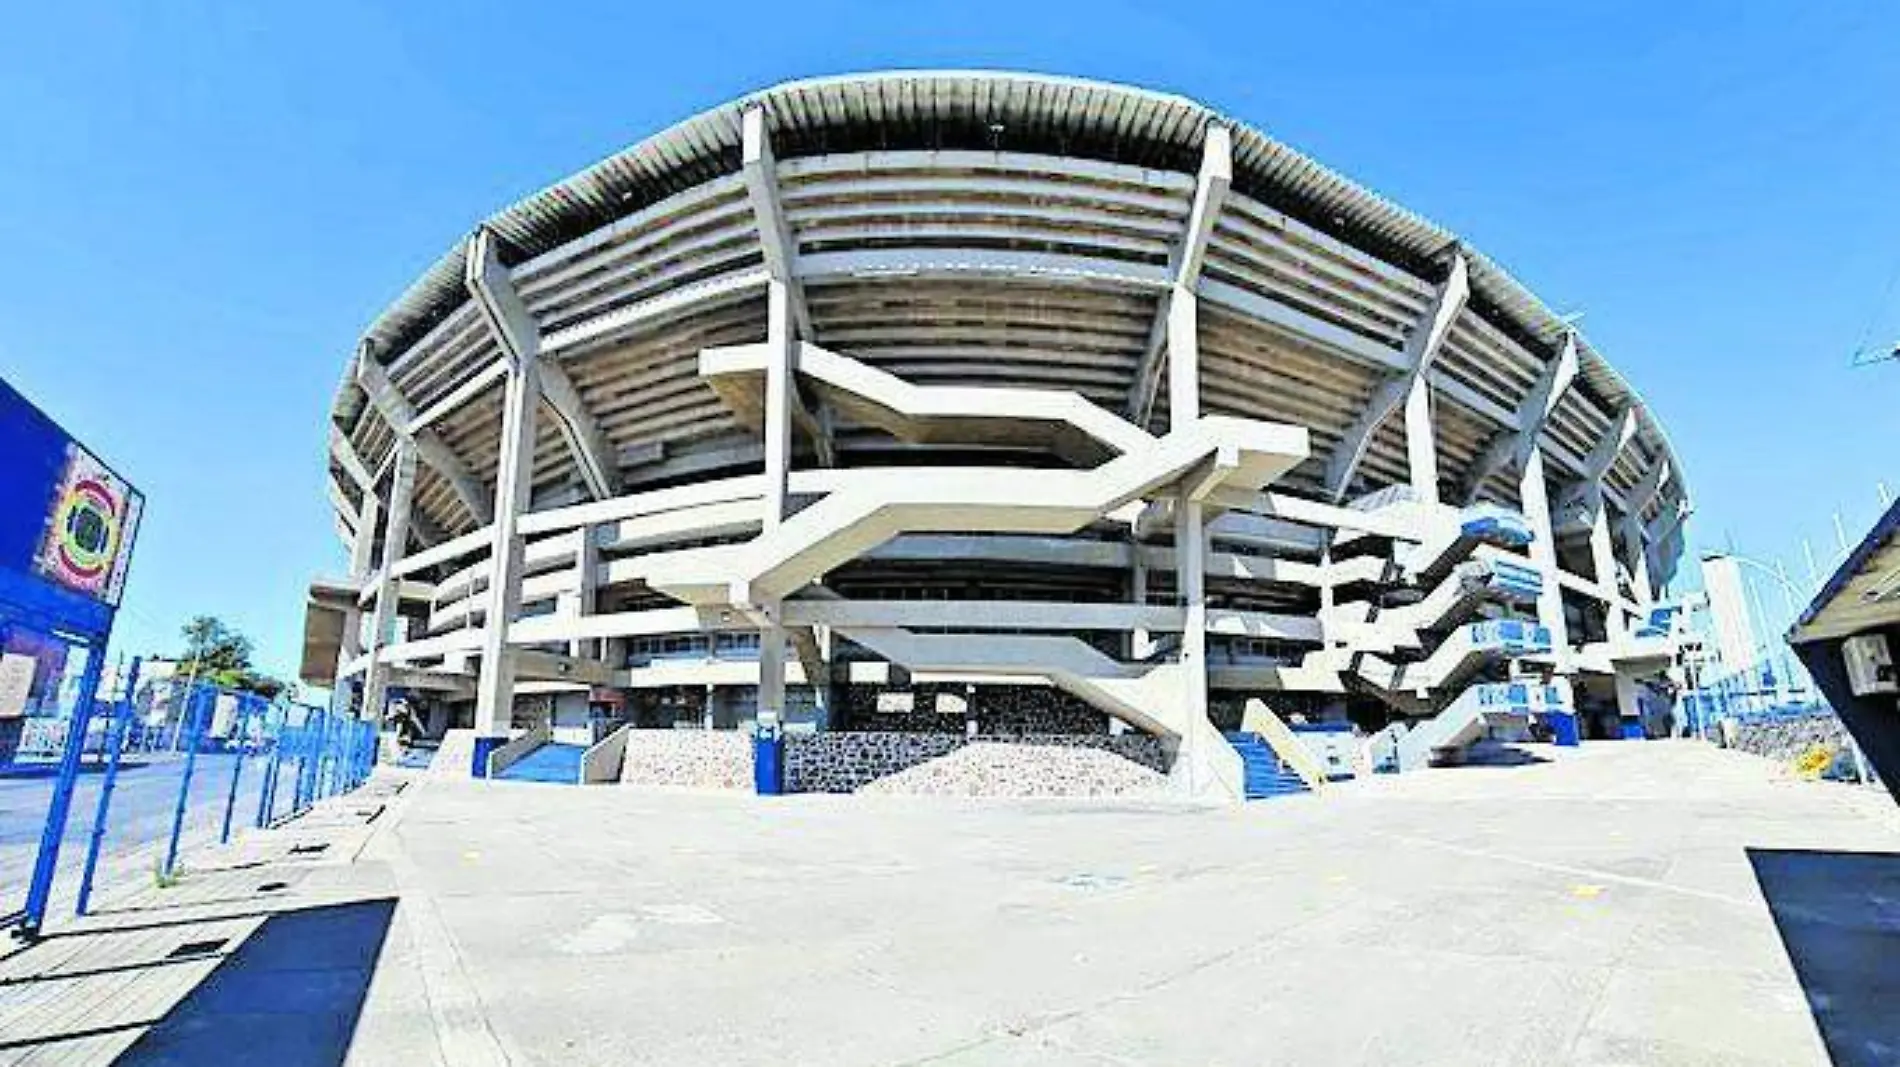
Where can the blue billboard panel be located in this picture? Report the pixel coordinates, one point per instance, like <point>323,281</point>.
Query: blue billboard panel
<point>67,521</point>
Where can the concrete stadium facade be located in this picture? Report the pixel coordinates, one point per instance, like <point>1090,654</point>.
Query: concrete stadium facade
<point>998,384</point>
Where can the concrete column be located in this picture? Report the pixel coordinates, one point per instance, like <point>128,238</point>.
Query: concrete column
<point>781,340</point>
<point>1603,563</point>
<point>1328,595</point>
<point>585,597</point>
<point>1141,643</point>
<point>382,632</point>
<point>1550,602</point>
<point>1190,547</point>
<point>1421,446</point>
<point>1184,358</point>
<point>362,562</point>
<point>1638,552</point>
<point>514,480</point>
<point>1190,527</point>
<point>1629,707</point>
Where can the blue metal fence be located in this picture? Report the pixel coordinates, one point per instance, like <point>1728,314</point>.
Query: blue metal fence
<point>191,764</point>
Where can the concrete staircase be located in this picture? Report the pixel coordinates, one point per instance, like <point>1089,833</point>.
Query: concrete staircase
<point>1265,774</point>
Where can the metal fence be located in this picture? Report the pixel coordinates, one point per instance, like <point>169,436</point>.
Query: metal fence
<point>176,765</point>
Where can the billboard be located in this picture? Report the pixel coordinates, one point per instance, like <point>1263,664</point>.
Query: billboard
<point>67,521</point>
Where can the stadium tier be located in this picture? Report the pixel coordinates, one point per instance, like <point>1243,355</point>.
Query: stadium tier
<point>995,404</point>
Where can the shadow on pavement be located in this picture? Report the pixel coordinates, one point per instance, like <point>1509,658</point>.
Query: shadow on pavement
<point>1498,754</point>
<point>289,996</point>
<point>1838,914</point>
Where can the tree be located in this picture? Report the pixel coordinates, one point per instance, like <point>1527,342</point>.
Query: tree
<point>222,656</point>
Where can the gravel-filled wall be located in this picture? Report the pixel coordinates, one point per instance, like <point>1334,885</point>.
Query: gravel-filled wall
<point>1008,765</point>
<point>1786,740</point>
<point>695,759</point>
<point>1011,710</point>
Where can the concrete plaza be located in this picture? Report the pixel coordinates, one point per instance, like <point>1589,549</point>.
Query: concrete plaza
<point>1618,904</point>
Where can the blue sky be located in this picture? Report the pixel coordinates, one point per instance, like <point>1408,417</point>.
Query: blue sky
<point>201,205</point>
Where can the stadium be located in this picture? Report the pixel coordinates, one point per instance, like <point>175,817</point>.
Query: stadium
<point>918,411</point>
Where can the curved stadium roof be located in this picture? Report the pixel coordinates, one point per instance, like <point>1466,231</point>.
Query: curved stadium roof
<point>1005,113</point>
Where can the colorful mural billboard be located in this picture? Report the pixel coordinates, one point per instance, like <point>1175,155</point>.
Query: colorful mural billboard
<point>67,521</point>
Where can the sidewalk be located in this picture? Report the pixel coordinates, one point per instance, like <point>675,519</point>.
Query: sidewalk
<point>279,924</point>
<point>1622,903</point>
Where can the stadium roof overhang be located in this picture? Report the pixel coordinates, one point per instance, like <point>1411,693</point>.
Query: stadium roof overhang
<point>1864,592</point>
<point>1860,602</point>
<point>1002,111</point>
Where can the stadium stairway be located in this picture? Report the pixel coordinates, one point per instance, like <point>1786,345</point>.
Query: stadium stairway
<point>1266,774</point>
<point>552,762</point>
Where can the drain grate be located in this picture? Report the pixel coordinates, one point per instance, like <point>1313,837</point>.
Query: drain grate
<point>197,948</point>
<point>309,850</point>
<point>273,887</point>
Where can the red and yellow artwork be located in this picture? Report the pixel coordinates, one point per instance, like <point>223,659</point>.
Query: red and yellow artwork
<point>91,522</point>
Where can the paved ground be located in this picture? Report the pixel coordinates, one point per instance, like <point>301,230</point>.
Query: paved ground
<point>1625,903</point>
<point>143,801</point>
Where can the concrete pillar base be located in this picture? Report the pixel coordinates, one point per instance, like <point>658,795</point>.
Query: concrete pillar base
<point>478,763</point>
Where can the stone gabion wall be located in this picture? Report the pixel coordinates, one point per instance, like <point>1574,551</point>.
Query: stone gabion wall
<point>692,759</point>
<point>1785,740</point>
<point>843,762</point>
<point>1017,768</point>
<point>1001,710</point>
<point>1034,765</point>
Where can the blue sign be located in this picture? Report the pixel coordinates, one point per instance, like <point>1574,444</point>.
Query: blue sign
<point>67,525</point>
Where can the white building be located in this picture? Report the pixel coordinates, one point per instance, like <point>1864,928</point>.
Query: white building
<point>1060,395</point>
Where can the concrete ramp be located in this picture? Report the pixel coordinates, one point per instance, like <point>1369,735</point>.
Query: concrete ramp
<point>1061,421</point>
<point>869,507</point>
<point>1411,687</point>
<point>1476,710</point>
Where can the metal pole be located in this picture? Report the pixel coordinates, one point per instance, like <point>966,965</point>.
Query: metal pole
<point>267,793</point>
<point>191,682</point>
<point>40,892</point>
<point>115,745</point>
<point>306,762</point>
<point>237,773</point>
<point>184,784</point>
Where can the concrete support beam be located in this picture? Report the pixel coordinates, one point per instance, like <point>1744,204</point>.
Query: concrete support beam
<point>585,441</point>
<point>397,411</point>
<point>1585,499</point>
<point>1512,447</point>
<point>586,594</point>
<point>1210,191</point>
<point>388,594</point>
<point>1629,705</point>
<point>1421,444</point>
<point>1411,387</point>
<point>1603,568</point>
<point>781,363</point>
<point>1190,536</point>
<point>760,169</point>
<point>362,563</point>
<point>1141,643</point>
<point>519,337</point>
<point>1550,602</point>
<point>1636,539</point>
<point>495,687</point>
<point>351,463</point>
